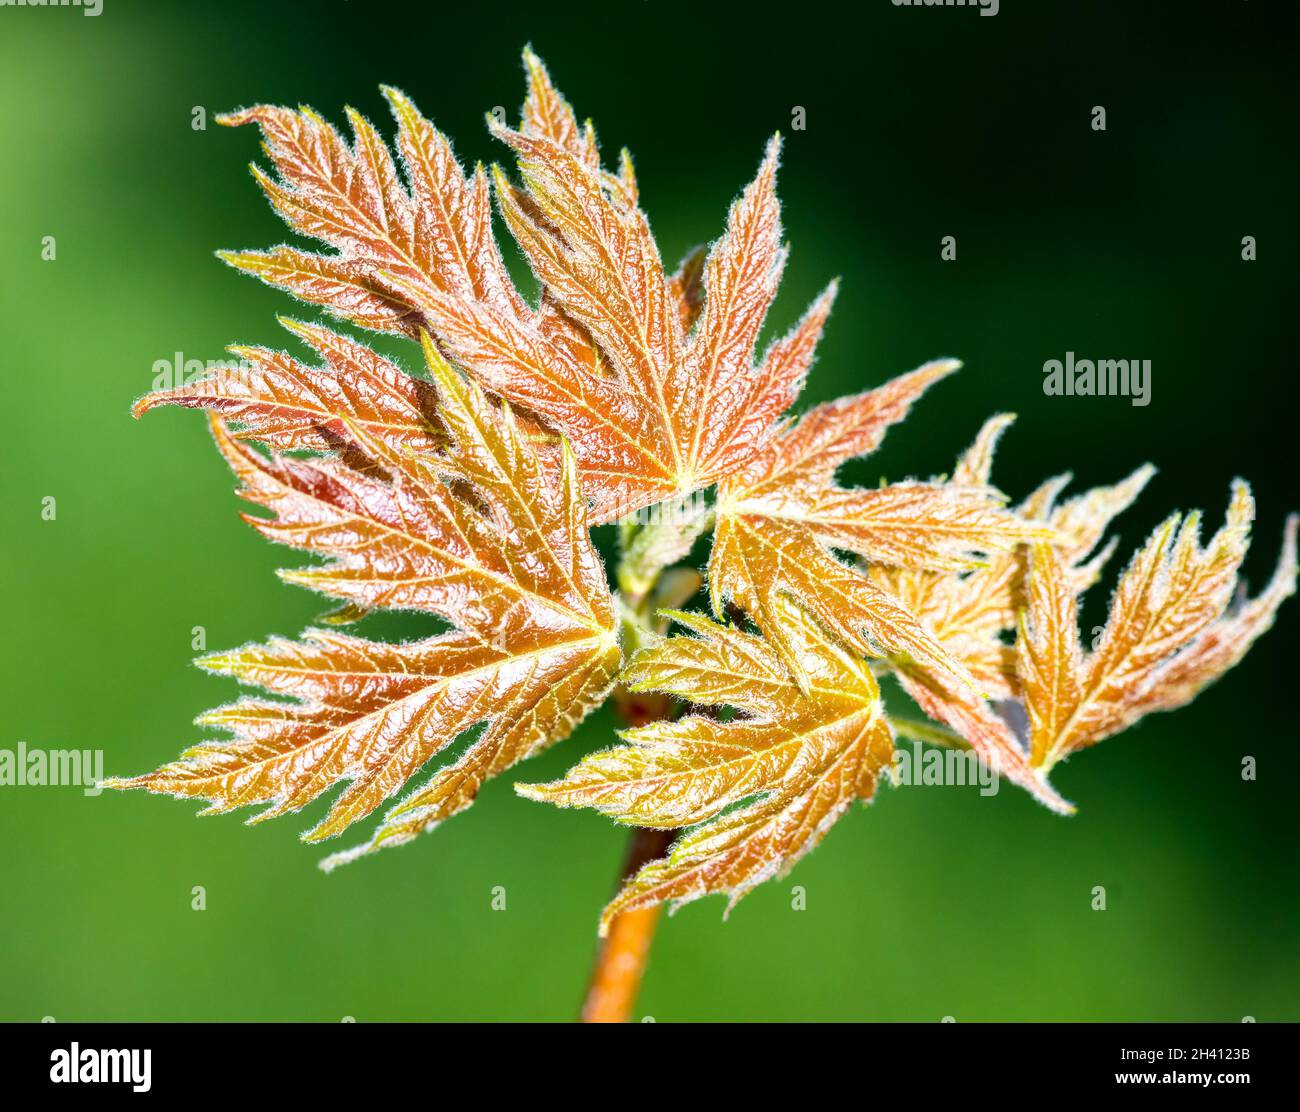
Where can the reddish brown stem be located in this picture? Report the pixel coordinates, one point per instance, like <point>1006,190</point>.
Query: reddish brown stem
<point>624,951</point>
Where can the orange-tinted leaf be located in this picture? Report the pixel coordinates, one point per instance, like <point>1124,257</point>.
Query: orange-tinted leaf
<point>512,567</point>
<point>970,611</point>
<point>652,377</point>
<point>1166,636</point>
<point>805,757</point>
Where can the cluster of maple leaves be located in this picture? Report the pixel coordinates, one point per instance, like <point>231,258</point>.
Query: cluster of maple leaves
<point>468,495</point>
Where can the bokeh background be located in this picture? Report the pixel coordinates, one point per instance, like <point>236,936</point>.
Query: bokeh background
<point>920,123</point>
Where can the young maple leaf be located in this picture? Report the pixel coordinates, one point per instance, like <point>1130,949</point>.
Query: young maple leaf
<point>805,756</point>
<point>779,516</point>
<point>1166,638</point>
<point>651,377</point>
<point>501,551</point>
<point>968,612</point>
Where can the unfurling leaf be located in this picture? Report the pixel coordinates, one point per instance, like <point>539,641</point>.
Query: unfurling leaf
<point>790,766</point>
<point>970,611</point>
<point>511,567</point>
<point>780,516</point>
<point>1165,639</point>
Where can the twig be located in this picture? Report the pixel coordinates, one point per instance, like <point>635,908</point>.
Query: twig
<point>624,951</point>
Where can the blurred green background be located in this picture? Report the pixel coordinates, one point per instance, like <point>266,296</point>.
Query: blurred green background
<point>921,123</point>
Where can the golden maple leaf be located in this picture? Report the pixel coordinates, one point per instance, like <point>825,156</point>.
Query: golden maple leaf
<point>636,389</point>
<point>796,760</point>
<point>969,611</point>
<point>512,567</point>
<point>1167,635</point>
